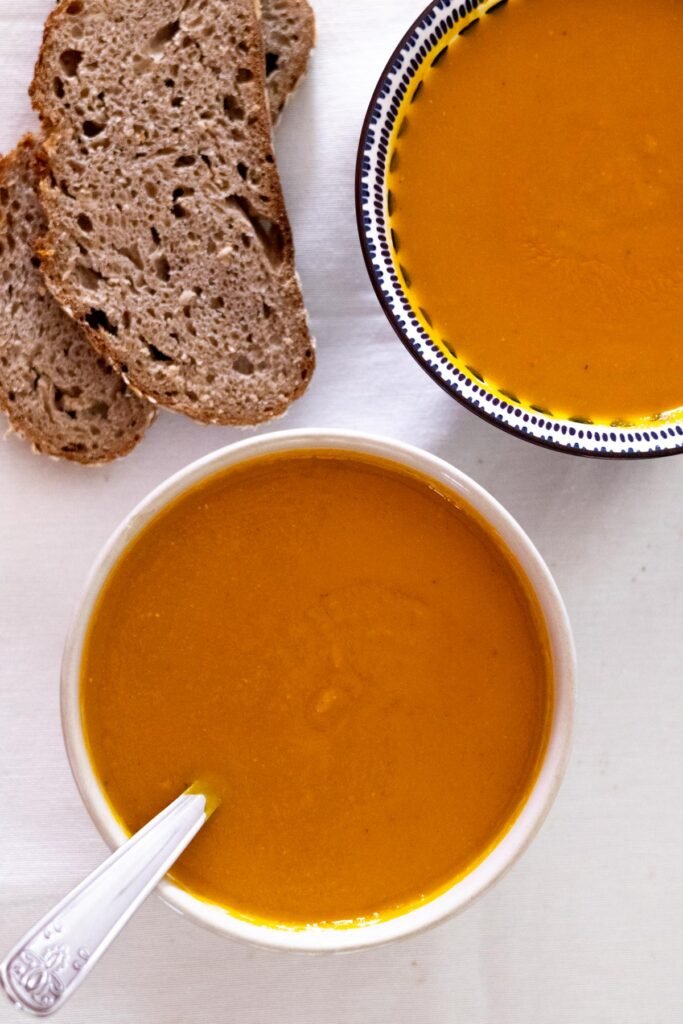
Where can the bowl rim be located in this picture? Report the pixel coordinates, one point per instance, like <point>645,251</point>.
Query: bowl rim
<point>315,939</point>
<point>474,10</point>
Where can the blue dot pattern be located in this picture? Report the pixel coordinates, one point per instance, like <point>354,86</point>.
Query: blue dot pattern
<point>438,23</point>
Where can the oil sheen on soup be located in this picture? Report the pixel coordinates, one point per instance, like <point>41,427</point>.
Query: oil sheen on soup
<point>353,659</point>
<point>537,185</point>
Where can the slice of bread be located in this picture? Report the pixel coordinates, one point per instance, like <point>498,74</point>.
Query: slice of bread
<point>168,239</point>
<point>57,392</point>
<point>288,37</point>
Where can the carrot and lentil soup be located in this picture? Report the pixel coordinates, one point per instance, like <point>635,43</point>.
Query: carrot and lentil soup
<point>537,186</point>
<point>354,660</point>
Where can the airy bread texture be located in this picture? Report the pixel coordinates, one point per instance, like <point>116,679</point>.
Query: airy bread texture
<point>288,37</point>
<point>57,392</point>
<point>168,239</point>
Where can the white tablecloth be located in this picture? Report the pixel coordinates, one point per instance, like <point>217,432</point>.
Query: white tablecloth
<point>588,927</point>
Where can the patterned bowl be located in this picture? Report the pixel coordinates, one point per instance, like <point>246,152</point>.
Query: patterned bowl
<point>423,45</point>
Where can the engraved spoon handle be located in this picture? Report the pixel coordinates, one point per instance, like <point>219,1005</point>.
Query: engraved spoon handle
<point>51,961</point>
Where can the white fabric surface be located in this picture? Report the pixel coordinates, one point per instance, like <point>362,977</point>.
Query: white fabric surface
<point>587,928</point>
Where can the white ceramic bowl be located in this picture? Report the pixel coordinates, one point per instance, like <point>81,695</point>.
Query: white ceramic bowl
<point>317,939</point>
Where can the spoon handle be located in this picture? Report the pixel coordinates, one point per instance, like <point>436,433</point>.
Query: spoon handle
<point>52,960</point>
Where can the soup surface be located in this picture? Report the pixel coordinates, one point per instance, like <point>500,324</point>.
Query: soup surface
<point>351,657</point>
<point>537,184</point>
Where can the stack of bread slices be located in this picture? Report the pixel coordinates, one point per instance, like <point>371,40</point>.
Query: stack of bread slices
<point>146,257</point>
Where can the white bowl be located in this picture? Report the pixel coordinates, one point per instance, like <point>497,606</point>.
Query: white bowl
<point>320,939</point>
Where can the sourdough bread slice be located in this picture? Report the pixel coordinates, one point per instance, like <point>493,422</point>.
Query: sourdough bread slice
<point>168,239</point>
<point>288,37</point>
<point>57,392</point>
<point>288,28</point>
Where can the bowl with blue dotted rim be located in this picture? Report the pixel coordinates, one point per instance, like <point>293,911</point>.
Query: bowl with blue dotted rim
<point>424,43</point>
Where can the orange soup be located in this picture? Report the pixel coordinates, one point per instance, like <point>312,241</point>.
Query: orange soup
<point>537,186</point>
<point>350,655</point>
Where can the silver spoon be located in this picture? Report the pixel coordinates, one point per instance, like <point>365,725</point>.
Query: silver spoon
<point>54,958</point>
